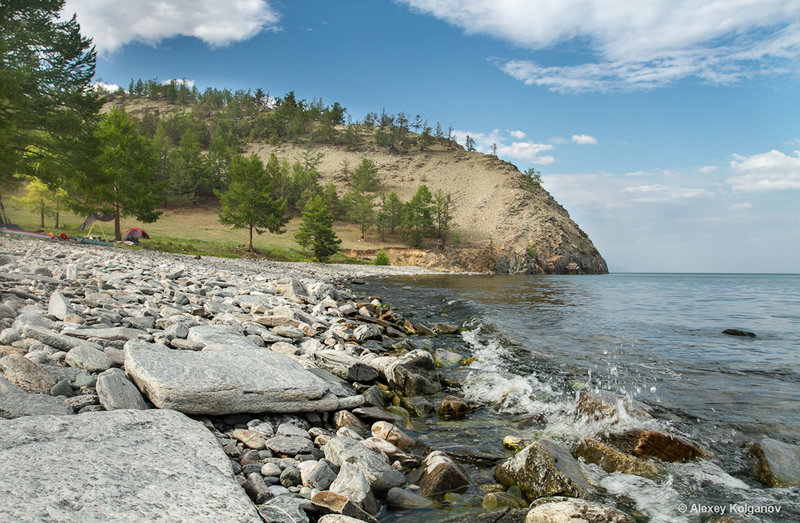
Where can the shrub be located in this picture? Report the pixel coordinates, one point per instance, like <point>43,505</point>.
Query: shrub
<point>382,258</point>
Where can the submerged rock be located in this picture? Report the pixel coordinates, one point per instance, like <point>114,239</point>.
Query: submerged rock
<point>441,474</point>
<point>561,509</point>
<point>612,460</point>
<point>739,332</point>
<point>776,464</point>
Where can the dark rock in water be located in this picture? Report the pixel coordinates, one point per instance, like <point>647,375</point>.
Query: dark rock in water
<point>574,510</point>
<point>444,328</point>
<point>455,407</point>
<point>739,332</point>
<point>414,374</point>
<point>441,474</point>
<point>418,406</point>
<point>777,464</point>
<point>405,499</point>
<point>544,468</point>
<point>506,515</point>
<point>612,460</point>
<point>472,456</point>
<point>666,447</point>
<point>496,500</point>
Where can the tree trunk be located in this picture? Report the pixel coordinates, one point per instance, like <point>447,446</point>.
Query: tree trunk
<point>250,247</point>
<point>117,228</point>
<point>41,214</point>
<point>57,213</point>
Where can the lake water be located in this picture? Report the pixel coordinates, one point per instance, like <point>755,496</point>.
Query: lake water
<point>656,338</point>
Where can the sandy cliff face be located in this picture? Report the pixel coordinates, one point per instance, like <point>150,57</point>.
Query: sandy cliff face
<point>503,225</point>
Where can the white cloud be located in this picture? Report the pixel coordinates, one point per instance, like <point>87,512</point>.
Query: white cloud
<point>584,139</point>
<point>102,86</point>
<point>114,24</point>
<point>743,206</point>
<point>527,151</point>
<point>658,193</point>
<point>517,135</point>
<point>771,171</point>
<point>635,45</point>
<point>708,169</point>
<point>179,81</point>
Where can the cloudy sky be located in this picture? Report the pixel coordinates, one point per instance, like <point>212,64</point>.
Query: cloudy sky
<point>669,129</point>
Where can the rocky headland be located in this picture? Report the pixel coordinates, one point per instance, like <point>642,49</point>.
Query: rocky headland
<point>150,386</point>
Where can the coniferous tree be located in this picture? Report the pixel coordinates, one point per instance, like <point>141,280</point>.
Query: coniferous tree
<point>249,202</point>
<point>316,230</point>
<point>122,183</point>
<point>47,108</point>
<point>360,208</point>
<point>365,177</point>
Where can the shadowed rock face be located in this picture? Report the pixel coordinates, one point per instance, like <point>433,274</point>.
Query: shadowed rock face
<point>129,463</point>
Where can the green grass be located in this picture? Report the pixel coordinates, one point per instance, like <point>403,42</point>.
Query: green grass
<point>196,231</point>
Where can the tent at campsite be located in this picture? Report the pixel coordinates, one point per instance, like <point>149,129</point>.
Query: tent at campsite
<point>134,234</point>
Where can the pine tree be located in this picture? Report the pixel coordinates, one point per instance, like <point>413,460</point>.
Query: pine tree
<point>316,230</point>
<point>359,207</point>
<point>365,177</point>
<point>249,202</point>
<point>122,184</point>
<point>47,108</point>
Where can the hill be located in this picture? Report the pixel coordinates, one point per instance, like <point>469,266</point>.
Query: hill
<point>504,221</point>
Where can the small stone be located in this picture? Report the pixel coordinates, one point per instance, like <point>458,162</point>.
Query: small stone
<point>250,438</point>
<point>62,388</point>
<point>84,380</point>
<point>441,474</point>
<point>387,431</point>
<point>270,469</point>
<point>496,500</point>
<point>91,359</point>
<point>288,429</point>
<point>290,477</point>
<point>59,306</point>
<point>257,489</point>
<point>115,391</point>
<point>406,499</point>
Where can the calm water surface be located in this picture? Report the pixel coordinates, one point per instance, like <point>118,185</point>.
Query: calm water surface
<point>654,337</point>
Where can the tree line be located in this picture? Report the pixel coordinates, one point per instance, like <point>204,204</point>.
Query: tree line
<point>54,137</point>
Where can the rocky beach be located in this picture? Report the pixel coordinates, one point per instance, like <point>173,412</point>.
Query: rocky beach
<point>139,385</point>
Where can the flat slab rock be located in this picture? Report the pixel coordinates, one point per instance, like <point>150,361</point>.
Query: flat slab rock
<point>225,382</point>
<point>185,476</point>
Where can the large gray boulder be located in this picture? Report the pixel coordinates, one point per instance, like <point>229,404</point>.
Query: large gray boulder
<point>543,468</point>
<point>227,381</point>
<point>159,463</point>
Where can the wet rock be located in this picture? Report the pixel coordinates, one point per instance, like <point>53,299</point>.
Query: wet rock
<point>392,434</point>
<point>543,468</point>
<point>455,407</point>
<point>352,483</point>
<point>446,358</point>
<point>379,474</point>
<point>143,469</point>
<point>406,499</point>
<point>497,500</point>
<point>331,502</point>
<point>441,474</point>
<point>418,406</point>
<point>612,460</point>
<point>88,358</point>
<point>607,405</point>
<point>115,391</point>
<point>226,382</point>
<point>414,374</point>
<point>444,328</point>
<point>776,464</point>
<point>666,447</point>
<point>24,373</point>
<point>558,509</point>
<point>423,329</point>
<point>472,455</point>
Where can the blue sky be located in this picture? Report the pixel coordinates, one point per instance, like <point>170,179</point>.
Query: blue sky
<point>669,129</point>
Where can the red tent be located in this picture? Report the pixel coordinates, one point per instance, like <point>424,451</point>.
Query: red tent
<point>134,234</point>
